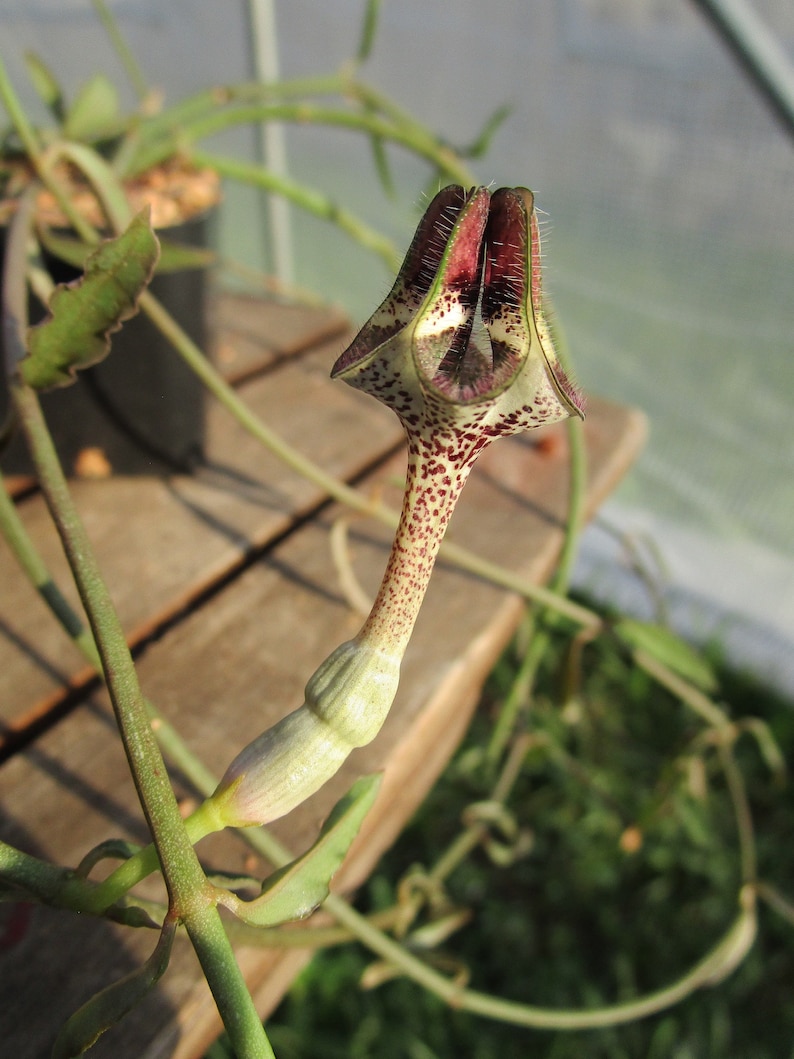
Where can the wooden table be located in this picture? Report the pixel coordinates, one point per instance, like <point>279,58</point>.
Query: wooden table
<point>227,588</point>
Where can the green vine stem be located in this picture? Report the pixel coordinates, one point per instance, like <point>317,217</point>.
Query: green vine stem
<point>126,57</point>
<point>534,634</point>
<point>413,138</point>
<point>190,896</point>
<point>721,959</point>
<point>31,562</point>
<point>313,202</point>
<point>25,877</point>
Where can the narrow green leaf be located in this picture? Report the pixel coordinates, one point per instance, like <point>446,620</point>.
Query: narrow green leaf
<point>481,145</point>
<point>382,167</point>
<point>95,110</point>
<point>47,88</point>
<point>174,256</point>
<point>177,257</point>
<point>110,1005</point>
<point>368,30</point>
<point>297,889</point>
<point>767,745</point>
<point>667,647</point>
<point>110,849</point>
<point>84,314</point>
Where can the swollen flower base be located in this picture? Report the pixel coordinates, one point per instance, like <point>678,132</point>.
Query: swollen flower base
<point>461,352</point>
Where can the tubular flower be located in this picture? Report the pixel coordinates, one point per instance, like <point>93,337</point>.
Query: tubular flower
<point>461,352</point>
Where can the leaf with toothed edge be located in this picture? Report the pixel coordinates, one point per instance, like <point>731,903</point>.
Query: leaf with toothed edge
<point>84,314</point>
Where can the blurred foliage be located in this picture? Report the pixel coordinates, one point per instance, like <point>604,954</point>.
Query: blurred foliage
<point>631,876</point>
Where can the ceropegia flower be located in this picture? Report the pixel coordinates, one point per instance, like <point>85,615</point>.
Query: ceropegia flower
<point>461,352</point>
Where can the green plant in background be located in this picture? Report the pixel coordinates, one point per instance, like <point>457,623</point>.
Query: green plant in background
<point>611,865</point>
<point>474,252</point>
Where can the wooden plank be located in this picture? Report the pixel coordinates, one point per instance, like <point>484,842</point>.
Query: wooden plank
<point>237,663</point>
<point>253,334</point>
<point>184,533</point>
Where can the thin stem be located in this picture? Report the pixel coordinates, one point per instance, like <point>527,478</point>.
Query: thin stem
<point>30,560</point>
<point>40,159</point>
<point>189,893</point>
<point>414,138</point>
<point>19,118</point>
<point>540,637</point>
<point>46,882</point>
<point>298,935</point>
<point>776,901</point>
<point>241,1020</point>
<point>472,836</point>
<point>515,702</point>
<point>191,898</point>
<point>760,52</point>
<point>204,821</point>
<point>207,100</point>
<point>307,198</point>
<point>518,1014</point>
<point>146,764</point>
<point>701,704</point>
<point>128,60</point>
<point>499,575</point>
<point>741,811</point>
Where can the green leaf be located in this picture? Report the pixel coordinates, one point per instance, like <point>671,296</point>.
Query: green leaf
<point>110,849</point>
<point>382,167</point>
<point>297,889</point>
<point>84,314</point>
<point>110,1005</point>
<point>47,88</point>
<point>368,30</point>
<point>767,745</point>
<point>95,111</point>
<point>177,257</point>
<point>667,647</point>
<point>174,256</point>
<point>483,142</point>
